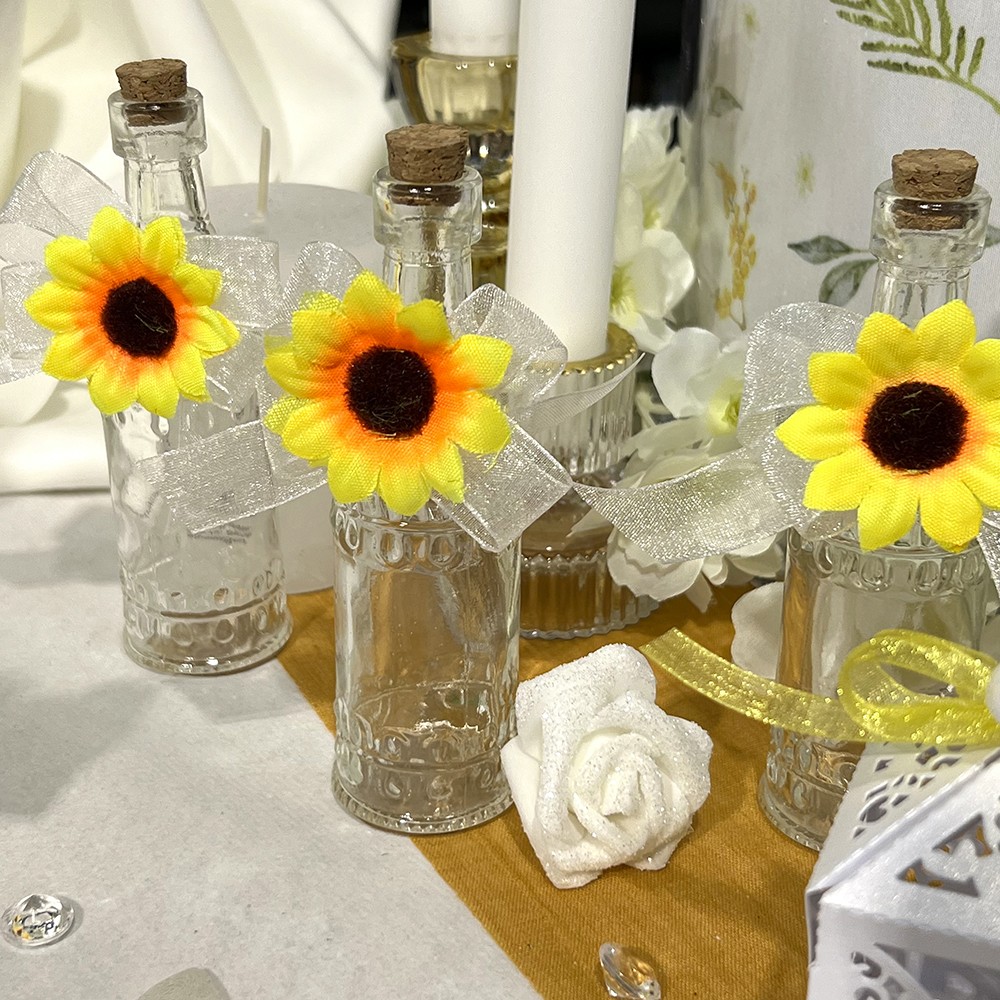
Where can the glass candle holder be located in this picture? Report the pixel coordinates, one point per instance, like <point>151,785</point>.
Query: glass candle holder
<point>427,660</point>
<point>837,596</point>
<point>566,589</point>
<point>477,93</point>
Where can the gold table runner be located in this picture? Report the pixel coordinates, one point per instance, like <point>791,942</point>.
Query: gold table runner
<point>723,921</point>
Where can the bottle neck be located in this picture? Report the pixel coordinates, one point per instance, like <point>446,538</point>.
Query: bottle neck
<point>909,293</point>
<point>443,275</point>
<point>161,145</point>
<point>427,232</point>
<point>154,188</point>
<point>925,250</point>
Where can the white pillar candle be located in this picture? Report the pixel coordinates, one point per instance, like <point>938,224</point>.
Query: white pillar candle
<point>474,27</point>
<point>572,90</point>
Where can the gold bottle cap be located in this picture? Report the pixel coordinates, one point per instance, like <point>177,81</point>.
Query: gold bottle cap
<point>427,154</point>
<point>153,81</point>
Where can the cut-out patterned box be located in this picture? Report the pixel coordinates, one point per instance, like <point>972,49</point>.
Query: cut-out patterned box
<point>904,902</point>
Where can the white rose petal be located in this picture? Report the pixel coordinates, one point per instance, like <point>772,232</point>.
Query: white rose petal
<point>599,774</point>
<point>757,625</point>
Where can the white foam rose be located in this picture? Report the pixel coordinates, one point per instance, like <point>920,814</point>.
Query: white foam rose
<point>600,775</point>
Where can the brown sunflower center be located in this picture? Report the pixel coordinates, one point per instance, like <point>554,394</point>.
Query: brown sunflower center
<point>139,317</point>
<point>391,391</point>
<point>915,426</point>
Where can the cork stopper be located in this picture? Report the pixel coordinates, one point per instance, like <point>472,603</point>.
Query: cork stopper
<point>427,154</point>
<point>934,174</point>
<point>153,81</point>
<point>936,178</point>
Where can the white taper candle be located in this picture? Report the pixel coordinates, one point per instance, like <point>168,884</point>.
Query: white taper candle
<point>572,90</point>
<point>474,27</point>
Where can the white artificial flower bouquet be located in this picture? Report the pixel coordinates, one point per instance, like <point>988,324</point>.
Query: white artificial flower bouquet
<point>689,412</point>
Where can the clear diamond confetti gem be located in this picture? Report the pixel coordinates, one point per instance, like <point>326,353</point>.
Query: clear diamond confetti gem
<point>627,974</point>
<point>36,920</point>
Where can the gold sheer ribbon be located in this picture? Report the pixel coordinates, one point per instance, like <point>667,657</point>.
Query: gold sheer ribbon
<point>873,703</point>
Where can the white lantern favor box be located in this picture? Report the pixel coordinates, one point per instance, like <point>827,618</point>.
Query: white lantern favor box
<point>904,902</point>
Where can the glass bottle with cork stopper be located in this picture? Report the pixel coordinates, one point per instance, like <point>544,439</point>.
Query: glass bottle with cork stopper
<point>426,619</point>
<point>158,128</point>
<point>464,72</point>
<point>928,228</point>
<point>204,603</point>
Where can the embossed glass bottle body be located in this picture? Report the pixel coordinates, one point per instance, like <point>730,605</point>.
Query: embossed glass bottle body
<point>838,595</point>
<point>202,603</point>
<point>426,619</point>
<point>476,92</point>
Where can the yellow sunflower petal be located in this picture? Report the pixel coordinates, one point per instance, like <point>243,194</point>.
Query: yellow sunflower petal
<point>353,476</point>
<point>817,432</point>
<point>200,285</point>
<point>278,415</point>
<point>112,238</point>
<point>212,332</point>
<point>307,433</point>
<point>887,345</point>
<point>982,476</point>
<point>841,380</point>
<point>841,482</point>
<point>298,376</point>
<point>947,333</point>
<point>445,474</point>
<point>110,389</point>
<point>426,321</point>
<point>319,333</point>
<point>55,307</point>
<point>482,427</point>
<point>403,488</point>
<point>368,299</point>
<point>887,512</point>
<point>189,372</point>
<point>949,512</point>
<point>70,261</point>
<point>981,368</point>
<point>157,390</point>
<point>323,301</point>
<point>162,245</point>
<point>71,356</point>
<point>485,359</point>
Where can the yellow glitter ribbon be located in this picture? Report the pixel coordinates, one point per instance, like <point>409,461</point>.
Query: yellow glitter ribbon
<point>872,704</point>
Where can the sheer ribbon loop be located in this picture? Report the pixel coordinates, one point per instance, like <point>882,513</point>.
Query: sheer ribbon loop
<point>246,470</point>
<point>56,196</point>
<point>873,704</point>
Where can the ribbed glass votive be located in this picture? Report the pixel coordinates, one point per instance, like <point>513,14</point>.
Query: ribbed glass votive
<point>566,589</point>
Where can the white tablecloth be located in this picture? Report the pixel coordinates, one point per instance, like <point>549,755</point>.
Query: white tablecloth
<point>191,819</point>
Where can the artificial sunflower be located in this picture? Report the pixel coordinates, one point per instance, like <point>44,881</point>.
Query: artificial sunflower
<point>130,314</point>
<point>384,396</point>
<point>908,424</point>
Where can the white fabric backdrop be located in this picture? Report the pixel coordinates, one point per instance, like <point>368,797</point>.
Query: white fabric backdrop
<point>313,71</point>
<point>788,101</point>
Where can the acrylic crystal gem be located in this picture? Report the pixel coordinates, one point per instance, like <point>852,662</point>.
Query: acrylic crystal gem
<point>627,974</point>
<point>36,920</point>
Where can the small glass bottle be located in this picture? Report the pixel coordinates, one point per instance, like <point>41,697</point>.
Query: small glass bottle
<point>426,619</point>
<point>838,595</point>
<point>475,92</point>
<point>205,603</point>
